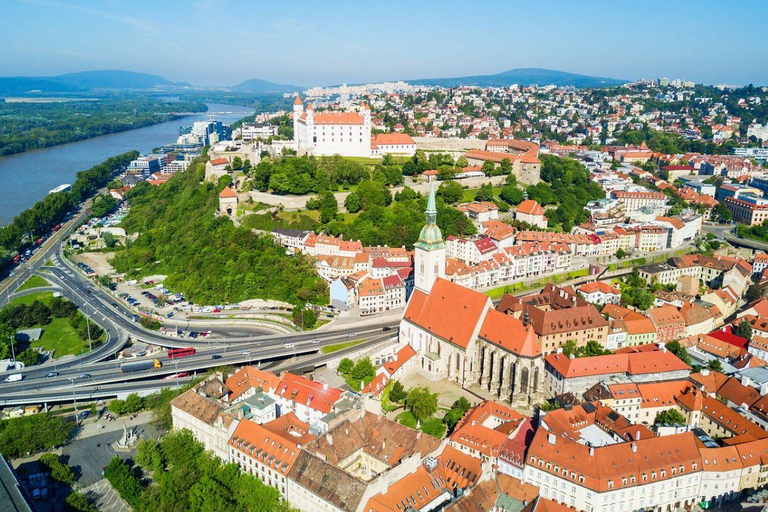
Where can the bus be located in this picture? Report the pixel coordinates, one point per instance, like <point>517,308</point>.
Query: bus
<point>180,352</point>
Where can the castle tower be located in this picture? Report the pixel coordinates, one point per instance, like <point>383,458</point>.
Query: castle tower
<point>430,249</point>
<point>298,109</point>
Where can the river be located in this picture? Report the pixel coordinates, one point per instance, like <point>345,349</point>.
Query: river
<point>27,177</point>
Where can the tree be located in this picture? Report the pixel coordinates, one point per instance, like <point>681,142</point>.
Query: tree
<point>676,348</point>
<point>353,203</point>
<point>29,357</point>
<point>715,365</point>
<point>744,329</point>
<point>450,191</point>
<point>511,194</point>
<point>484,193</point>
<point>133,403</point>
<point>722,214</point>
<point>621,254</point>
<point>102,205</point>
<point>754,292</point>
<point>304,317</point>
<point>456,412</point>
<point>670,417</point>
<point>422,403</point>
<point>79,502</point>
<point>489,168</point>
<point>122,478</point>
<point>148,455</point>
<point>31,434</point>
<point>363,370</point>
<point>109,239</point>
<point>346,365</point>
<point>59,471</point>
<point>569,348</point>
<point>397,392</point>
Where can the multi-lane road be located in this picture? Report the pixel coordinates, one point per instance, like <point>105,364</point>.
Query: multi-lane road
<point>231,342</point>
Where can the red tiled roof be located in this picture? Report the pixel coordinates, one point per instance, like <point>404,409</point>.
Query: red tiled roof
<point>450,311</point>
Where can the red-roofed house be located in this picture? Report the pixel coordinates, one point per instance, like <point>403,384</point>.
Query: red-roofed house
<point>399,144</point>
<point>531,213</point>
<point>598,292</point>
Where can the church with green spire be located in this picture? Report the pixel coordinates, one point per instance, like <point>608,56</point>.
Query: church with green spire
<point>430,252</point>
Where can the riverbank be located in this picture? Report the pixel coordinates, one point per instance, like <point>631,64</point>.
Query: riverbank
<point>26,178</point>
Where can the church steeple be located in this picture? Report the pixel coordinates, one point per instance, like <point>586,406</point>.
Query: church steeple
<point>431,238</point>
<point>429,249</point>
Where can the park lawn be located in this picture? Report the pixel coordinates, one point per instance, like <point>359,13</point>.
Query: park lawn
<point>433,426</point>
<point>33,282</point>
<point>469,194</point>
<point>328,349</point>
<point>61,337</point>
<point>303,220</point>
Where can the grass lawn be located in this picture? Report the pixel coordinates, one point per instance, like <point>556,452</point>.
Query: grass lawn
<point>469,194</point>
<point>304,220</point>
<point>433,426</point>
<point>33,282</point>
<point>60,336</point>
<point>44,297</point>
<point>328,349</point>
<point>355,384</point>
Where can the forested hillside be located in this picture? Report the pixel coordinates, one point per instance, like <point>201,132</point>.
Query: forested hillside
<point>207,257</point>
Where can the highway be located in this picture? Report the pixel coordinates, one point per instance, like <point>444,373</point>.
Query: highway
<point>233,343</point>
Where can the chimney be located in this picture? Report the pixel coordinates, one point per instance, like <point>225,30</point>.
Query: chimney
<point>634,447</point>
<point>637,436</point>
<point>591,451</point>
<point>325,386</point>
<point>384,445</point>
<point>330,438</point>
<point>552,439</point>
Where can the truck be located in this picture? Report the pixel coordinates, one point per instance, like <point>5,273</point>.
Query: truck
<point>141,365</point>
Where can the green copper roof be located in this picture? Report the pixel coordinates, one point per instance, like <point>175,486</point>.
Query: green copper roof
<point>430,237</point>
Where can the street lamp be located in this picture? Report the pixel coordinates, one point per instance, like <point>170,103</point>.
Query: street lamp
<point>74,399</point>
<point>176,369</point>
<point>13,351</point>
<point>88,326</point>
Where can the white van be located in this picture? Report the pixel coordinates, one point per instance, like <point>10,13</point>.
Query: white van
<point>16,377</point>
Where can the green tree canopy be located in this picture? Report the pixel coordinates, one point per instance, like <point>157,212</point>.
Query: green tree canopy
<point>422,403</point>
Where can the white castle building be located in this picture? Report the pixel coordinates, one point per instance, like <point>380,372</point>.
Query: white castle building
<point>331,133</point>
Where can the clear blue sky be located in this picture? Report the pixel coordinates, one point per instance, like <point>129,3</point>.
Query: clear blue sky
<point>221,42</point>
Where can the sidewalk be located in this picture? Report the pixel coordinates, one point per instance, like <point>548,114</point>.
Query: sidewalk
<point>91,427</point>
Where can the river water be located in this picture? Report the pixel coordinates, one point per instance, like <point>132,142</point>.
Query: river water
<point>27,177</point>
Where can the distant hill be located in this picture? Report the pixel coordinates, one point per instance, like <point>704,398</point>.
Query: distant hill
<point>258,85</point>
<point>115,79</point>
<point>83,81</point>
<point>523,76</point>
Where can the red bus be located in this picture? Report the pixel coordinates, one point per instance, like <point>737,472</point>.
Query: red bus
<point>180,352</point>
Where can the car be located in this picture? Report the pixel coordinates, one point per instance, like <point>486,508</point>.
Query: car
<point>351,335</point>
<point>114,305</point>
<point>135,318</point>
<point>169,315</point>
<point>216,356</point>
<point>315,342</point>
<point>289,345</point>
<point>85,375</point>
<point>51,374</point>
<point>386,328</point>
<point>246,352</point>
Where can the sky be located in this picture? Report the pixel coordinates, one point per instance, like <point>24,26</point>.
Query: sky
<point>323,42</point>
